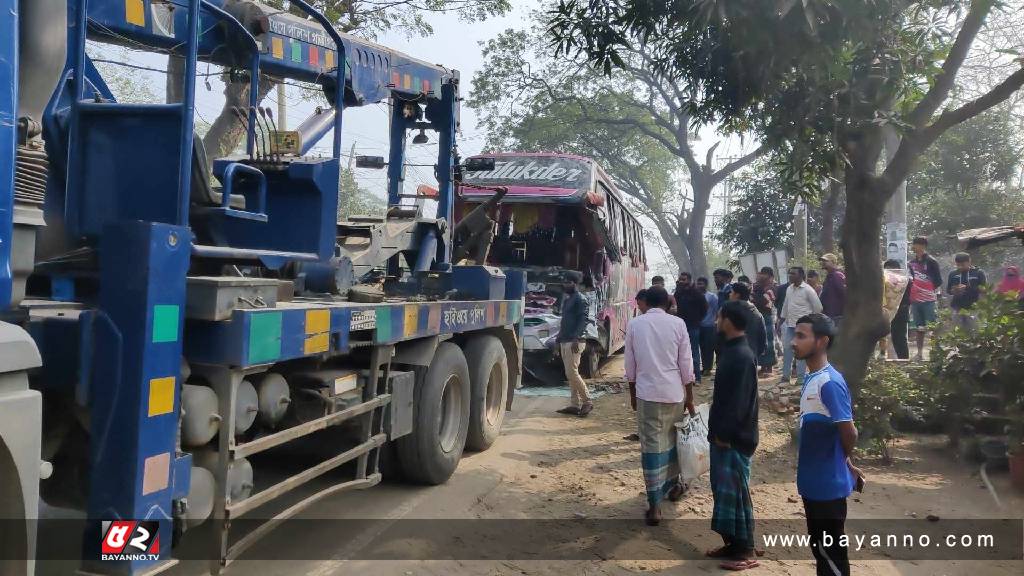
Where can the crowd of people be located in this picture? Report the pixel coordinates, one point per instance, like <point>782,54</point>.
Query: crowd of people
<point>917,311</point>
<point>731,330</point>
<point>675,340</point>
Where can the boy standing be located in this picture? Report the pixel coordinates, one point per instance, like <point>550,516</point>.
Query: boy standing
<point>825,475</point>
<point>925,282</point>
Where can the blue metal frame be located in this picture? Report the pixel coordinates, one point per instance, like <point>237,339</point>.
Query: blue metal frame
<point>127,346</point>
<point>8,135</point>
<point>133,399</point>
<point>446,163</point>
<point>254,72</point>
<point>339,95</point>
<point>229,180</point>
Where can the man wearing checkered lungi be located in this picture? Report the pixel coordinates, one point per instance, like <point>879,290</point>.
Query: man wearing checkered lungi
<point>732,432</point>
<point>659,368</point>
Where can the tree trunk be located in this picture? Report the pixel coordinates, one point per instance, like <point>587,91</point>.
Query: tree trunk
<point>863,324</point>
<point>227,130</point>
<point>828,215</point>
<point>695,229</point>
<point>676,244</point>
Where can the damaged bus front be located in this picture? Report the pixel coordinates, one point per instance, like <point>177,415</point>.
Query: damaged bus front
<point>562,213</point>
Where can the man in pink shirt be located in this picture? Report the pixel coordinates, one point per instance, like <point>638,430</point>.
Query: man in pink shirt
<point>659,368</point>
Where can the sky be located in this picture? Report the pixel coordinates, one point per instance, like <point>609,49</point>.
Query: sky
<point>455,44</point>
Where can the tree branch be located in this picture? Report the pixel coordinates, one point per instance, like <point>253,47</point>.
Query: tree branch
<point>957,54</point>
<point>736,164</point>
<point>709,158</point>
<point>917,141</point>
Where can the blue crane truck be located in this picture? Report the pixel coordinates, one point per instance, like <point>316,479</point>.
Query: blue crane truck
<point>184,339</point>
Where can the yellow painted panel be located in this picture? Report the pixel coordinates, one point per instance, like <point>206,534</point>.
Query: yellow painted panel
<point>407,82</point>
<point>135,12</point>
<point>329,59</point>
<point>161,396</point>
<point>317,343</point>
<point>412,319</point>
<point>277,48</point>
<point>318,321</point>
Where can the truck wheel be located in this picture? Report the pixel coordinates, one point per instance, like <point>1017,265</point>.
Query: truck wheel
<point>488,377</point>
<point>430,454</point>
<point>590,361</point>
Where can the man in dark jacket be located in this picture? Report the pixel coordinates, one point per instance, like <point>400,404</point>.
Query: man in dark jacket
<point>732,432</point>
<point>762,295</point>
<point>571,343</point>
<point>757,339</point>
<point>965,285</point>
<point>691,305</point>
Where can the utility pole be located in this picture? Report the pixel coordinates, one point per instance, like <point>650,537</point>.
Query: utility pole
<point>282,108</point>
<point>896,209</point>
<point>800,232</point>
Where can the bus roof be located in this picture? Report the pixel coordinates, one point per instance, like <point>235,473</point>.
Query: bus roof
<point>535,154</point>
<point>542,193</point>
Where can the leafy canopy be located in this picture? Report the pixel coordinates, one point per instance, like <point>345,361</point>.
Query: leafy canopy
<point>809,73</point>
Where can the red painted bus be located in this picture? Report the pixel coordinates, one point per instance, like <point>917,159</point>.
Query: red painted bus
<point>563,212</point>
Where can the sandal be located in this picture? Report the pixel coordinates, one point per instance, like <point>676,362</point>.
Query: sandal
<point>739,565</point>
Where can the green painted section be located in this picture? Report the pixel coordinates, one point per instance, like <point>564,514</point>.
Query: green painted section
<point>165,323</point>
<point>296,51</point>
<point>384,324</point>
<point>513,311</point>
<point>264,337</point>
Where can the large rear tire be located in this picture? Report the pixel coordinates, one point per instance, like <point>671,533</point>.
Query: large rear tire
<point>488,376</point>
<point>430,454</point>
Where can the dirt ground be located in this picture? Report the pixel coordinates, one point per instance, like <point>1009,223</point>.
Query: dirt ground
<point>550,466</point>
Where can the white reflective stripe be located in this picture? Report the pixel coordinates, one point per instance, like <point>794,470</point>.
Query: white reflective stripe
<point>810,399</point>
<point>831,564</point>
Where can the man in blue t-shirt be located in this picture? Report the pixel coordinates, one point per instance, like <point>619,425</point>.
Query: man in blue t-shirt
<point>825,475</point>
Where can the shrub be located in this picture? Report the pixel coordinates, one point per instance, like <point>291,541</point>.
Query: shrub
<point>989,359</point>
<point>887,392</point>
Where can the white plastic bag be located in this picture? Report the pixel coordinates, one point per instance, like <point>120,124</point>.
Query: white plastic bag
<point>692,444</point>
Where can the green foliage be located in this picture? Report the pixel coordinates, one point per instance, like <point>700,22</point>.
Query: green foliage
<point>762,213</point>
<point>887,391</point>
<point>718,257</point>
<point>988,359</point>
<point>354,200</point>
<point>370,17</point>
<point>966,180</point>
<point>822,82</point>
<point>813,75</point>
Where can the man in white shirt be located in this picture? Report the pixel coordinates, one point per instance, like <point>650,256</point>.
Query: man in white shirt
<point>801,300</point>
<point>659,368</point>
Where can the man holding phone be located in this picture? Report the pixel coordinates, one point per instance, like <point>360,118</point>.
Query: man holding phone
<point>825,474</point>
<point>965,285</point>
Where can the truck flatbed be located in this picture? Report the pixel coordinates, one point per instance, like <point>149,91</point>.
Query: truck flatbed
<point>294,330</point>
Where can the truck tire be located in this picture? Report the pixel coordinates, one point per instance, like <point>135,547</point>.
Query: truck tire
<point>590,361</point>
<point>488,377</point>
<point>430,454</point>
